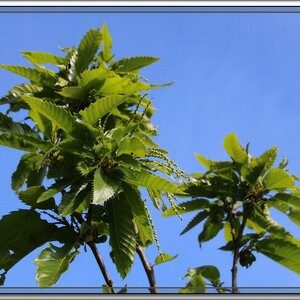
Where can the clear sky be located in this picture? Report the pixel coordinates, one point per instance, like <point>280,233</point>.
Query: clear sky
<point>232,72</point>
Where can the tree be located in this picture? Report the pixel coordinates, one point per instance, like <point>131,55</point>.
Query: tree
<point>88,153</point>
<point>90,158</point>
<point>236,196</point>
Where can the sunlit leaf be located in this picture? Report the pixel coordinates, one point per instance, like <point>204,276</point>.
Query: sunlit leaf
<point>101,107</point>
<point>278,179</point>
<point>43,58</point>
<point>87,49</point>
<point>150,181</point>
<point>107,44</point>
<point>39,76</point>
<point>59,116</point>
<point>132,145</point>
<point>281,251</point>
<point>196,285</point>
<point>133,63</point>
<point>188,206</point>
<point>234,149</point>
<point>73,92</point>
<point>164,257</point>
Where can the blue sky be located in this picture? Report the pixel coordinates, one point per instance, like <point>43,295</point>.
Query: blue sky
<point>231,72</point>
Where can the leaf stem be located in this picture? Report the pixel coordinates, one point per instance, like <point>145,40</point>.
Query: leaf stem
<point>148,269</point>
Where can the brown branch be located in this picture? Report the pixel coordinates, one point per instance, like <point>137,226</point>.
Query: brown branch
<point>101,265</point>
<point>148,269</point>
<point>97,256</point>
<point>236,238</point>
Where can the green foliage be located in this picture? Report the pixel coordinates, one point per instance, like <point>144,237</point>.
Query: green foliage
<point>90,133</point>
<point>52,262</point>
<point>22,232</point>
<point>236,194</point>
<point>197,278</point>
<point>164,257</point>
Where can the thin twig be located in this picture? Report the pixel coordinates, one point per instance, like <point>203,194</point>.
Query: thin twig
<point>101,265</point>
<point>236,238</point>
<point>97,256</point>
<point>148,269</point>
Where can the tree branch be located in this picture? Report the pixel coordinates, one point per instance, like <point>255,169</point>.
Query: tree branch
<point>148,269</point>
<point>97,256</point>
<point>101,265</point>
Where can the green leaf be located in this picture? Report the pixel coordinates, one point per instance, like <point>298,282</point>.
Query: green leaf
<point>234,149</point>
<point>122,234</point>
<point>87,49</point>
<point>94,78</point>
<point>133,63</point>
<point>55,188</point>
<point>27,163</point>
<point>53,261</point>
<point>21,132</point>
<point>21,232</point>
<point>39,76</point>
<point>195,221</point>
<point>227,231</point>
<point>210,229</point>
<point>188,206</point>
<point>211,273</point>
<point>59,116</point>
<point>140,219</point>
<point>265,161</point>
<point>16,143</point>
<point>114,86</point>
<point>204,161</point>
<point>101,107</point>
<point>43,58</point>
<point>150,181</point>
<point>72,199</point>
<point>164,257</point>
<point>76,147</point>
<point>73,92</point>
<point>31,89</point>
<point>282,203</point>
<point>36,177</point>
<point>107,43</point>
<point>132,145</point>
<point>281,251</point>
<point>255,168</point>
<point>278,179</point>
<point>289,199</point>
<point>263,222</point>
<point>196,285</point>
<point>105,187</point>
<point>31,195</point>
<point>43,124</point>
